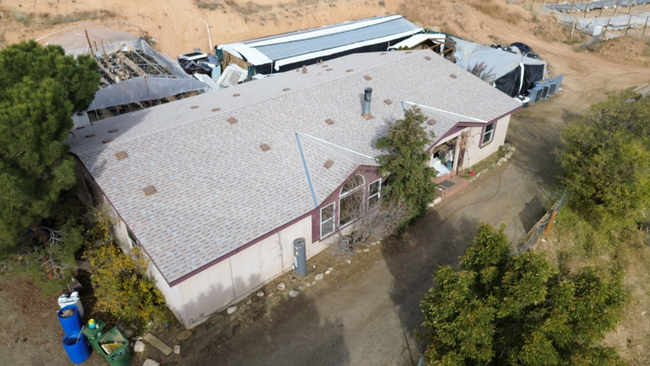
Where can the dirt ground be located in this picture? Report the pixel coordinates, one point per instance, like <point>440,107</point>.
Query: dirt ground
<point>363,312</point>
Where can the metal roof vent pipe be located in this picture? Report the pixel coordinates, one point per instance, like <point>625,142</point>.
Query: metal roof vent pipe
<point>366,103</point>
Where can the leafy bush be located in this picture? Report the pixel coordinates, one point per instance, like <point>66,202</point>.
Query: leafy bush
<point>519,310</point>
<point>120,281</point>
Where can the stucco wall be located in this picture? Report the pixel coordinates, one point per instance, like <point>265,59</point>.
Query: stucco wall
<point>474,152</point>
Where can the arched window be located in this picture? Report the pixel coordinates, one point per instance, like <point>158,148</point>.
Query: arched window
<point>351,202</point>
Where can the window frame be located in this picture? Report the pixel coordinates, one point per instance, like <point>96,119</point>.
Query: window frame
<point>320,219</point>
<point>378,194</point>
<point>491,132</point>
<point>349,194</point>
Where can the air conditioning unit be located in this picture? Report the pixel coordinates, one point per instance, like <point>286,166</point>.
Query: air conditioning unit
<point>535,94</point>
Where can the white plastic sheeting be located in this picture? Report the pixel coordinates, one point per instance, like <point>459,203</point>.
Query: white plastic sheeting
<point>591,5</point>
<point>594,26</point>
<point>417,39</point>
<point>143,88</point>
<point>232,75</point>
<point>108,41</point>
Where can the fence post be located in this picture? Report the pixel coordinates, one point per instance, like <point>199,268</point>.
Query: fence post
<point>616,9</point>
<point>556,1</point>
<point>607,26</point>
<point>628,24</point>
<point>550,222</point>
<point>645,26</point>
<point>573,1</point>
<point>575,21</point>
<point>586,9</point>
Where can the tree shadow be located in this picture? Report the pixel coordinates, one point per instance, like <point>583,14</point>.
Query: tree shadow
<point>412,260</point>
<point>261,331</point>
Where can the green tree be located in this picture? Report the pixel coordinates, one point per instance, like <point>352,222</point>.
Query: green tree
<point>410,179</point>
<point>40,88</point>
<point>606,159</point>
<point>518,310</point>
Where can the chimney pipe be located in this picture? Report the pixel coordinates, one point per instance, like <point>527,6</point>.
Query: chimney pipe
<point>366,101</point>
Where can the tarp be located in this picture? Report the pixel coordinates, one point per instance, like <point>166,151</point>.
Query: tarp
<point>143,88</point>
<point>591,5</point>
<point>511,73</point>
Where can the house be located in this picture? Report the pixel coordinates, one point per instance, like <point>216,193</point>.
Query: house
<point>288,51</point>
<point>215,188</point>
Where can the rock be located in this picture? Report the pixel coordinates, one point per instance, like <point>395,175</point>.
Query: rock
<point>249,302</point>
<point>431,204</point>
<point>281,286</point>
<point>177,350</point>
<point>231,310</point>
<point>313,283</point>
<point>128,333</point>
<point>184,335</point>
<point>508,155</point>
<point>643,313</point>
<point>3,15</point>
<point>327,272</point>
<point>301,287</point>
<point>366,250</point>
<point>150,362</point>
<point>349,261</point>
<point>294,293</point>
<point>330,269</point>
<point>138,346</point>
<point>512,148</point>
<point>260,293</point>
<point>319,277</point>
<point>503,160</point>
<point>543,240</point>
<point>437,200</point>
<point>499,163</point>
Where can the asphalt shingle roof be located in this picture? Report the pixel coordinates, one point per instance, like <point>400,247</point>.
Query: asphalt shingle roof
<point>217,190</point>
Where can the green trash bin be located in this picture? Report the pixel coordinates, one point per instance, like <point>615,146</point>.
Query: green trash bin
<point>115,347</point>
<point>93,334</point>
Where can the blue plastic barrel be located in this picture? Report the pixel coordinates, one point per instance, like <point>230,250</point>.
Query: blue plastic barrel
<point>72,323</point>
<point>77,348</point>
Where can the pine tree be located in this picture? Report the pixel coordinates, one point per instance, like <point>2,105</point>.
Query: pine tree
<point>40,88</point>
<point>410,179</point>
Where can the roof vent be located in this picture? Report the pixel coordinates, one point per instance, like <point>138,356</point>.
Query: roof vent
<point>304,69</point>
<point>286,89</point>
<point>407,52</point>
<point>149,190</point>
<point>121,155</point>
<point>387,101</point>
<point>91,135</point>
<point>324,65</point>
<point>427,58</point>
<point>329,121</point>
<point>236,95</point>
<point>107,141</point>
<point>431,122</point>
<point>265,147</point>
<point>453,76</point>
<point>232,120</point>
<point>367,94</point>
<point>383,53</point>
<point>367,77</point>
<point>328,164</point>
<point>194,107</point>
<point>113,131</point>
<point>349,70</point>
<point>216,109</point>
<point>80,127</point>
<point>328,69</point>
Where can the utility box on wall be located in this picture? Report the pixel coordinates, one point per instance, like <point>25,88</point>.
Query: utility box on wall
<point>300,257</point>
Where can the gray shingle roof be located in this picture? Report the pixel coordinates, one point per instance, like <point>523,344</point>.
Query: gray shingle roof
<point>217,190</point>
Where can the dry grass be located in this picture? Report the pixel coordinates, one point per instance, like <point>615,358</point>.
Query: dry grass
<point>47,21</point>
<point>574,244</point>
<point>209,4</point>
<point>248,8</point>
<point>495,10</point>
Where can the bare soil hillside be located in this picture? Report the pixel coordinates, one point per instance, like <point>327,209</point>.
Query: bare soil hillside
<point>180,25</point>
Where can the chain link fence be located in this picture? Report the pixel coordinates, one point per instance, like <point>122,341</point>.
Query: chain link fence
<point>544,224</point>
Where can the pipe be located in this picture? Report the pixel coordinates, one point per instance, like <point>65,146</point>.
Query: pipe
<point>366,100</point>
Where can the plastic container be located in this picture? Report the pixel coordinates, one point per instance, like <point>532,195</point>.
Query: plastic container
<point>72,322</point>
<point>93,334</point>
<point>72,299</point>
<point>117,355</point>
<point>76,347</point>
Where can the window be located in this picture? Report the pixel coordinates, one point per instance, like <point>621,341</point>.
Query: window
<point>134,241</point>
<point>488,133</point>
<point>327,220</point>
<point>351,201</point>
<point>374,192</point>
